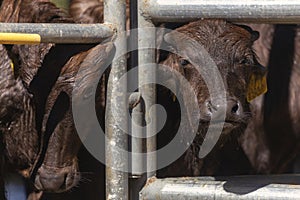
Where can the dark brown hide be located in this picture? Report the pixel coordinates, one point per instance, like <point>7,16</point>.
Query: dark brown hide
<point>17,119</point>
<point>230,46</point>
<point>90,11</point>
<point>87,11</point>
<point>37,67</point>
<point>22,136</point>
<point>59,170</point>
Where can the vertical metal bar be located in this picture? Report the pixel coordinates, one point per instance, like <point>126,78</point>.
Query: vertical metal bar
<point>116,112</point>
<point>136,143</point>
<point>138,177</point>
<point>137,136</point>
<point>135,98</point>
<point>146,38</point>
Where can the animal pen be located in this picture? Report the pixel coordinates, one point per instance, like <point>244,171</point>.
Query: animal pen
<point>120,184</point>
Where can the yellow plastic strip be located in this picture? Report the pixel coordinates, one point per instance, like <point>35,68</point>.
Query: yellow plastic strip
<point>12,66</point>
<point>19,38</point>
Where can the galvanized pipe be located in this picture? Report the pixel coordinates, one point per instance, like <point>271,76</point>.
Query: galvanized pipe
<point>116,144</point>
<point>24,33</point>
<point>137,162</point>
<point>268,11</point>
<point>146,58</point>
<point>138,177</point>
<point>276,187</point>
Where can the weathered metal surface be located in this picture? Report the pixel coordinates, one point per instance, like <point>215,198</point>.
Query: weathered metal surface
<point>137,134</point>
<point>146,59</point>
<point>54,33</point>
<point>138,161</point>
<point>230,188</point>
<point>116,144</point>
<point>269,11</point>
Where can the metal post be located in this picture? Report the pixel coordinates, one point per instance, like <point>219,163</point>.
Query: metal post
<point>116,111</point>
<point>137,164</point>
<point>27,33</point>
<point>261,187</point>
<point>138,177</point>
<point>146,39</point>
<point>268,11</point>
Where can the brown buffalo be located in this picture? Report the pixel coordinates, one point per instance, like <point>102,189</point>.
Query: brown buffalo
<point>230,47</point>
<point>22,136</point>
<point>36,70</point>
<point>17,117</point>
<point>58,169</point>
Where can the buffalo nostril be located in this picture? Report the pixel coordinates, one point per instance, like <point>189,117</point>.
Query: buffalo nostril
<point>233,107</point>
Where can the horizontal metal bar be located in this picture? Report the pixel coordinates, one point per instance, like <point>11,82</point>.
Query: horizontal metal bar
<point>19,38</point>
<point>269,11</point>
<point>274,187</point>
<point>32,33</point>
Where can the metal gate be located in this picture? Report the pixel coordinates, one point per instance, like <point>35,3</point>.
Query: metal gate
<point>145,13</point>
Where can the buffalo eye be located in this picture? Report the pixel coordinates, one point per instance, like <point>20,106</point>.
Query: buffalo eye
<point>246,61</point>
<point>184,62</point>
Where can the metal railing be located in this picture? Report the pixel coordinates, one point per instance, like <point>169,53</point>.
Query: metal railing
<point>149,11</point>
<point>24,33</point>
<point>116,161</point>
<point>267,11</point>
<point>230,188</point>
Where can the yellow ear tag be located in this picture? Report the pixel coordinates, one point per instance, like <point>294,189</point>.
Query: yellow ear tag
<point>12,66</point>
<point>257,86</point>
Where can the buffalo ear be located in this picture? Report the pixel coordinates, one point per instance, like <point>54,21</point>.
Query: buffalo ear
<point>174,40</point>
<point>257,83</point>
<point>182,44</point>
<point>254,34</point>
